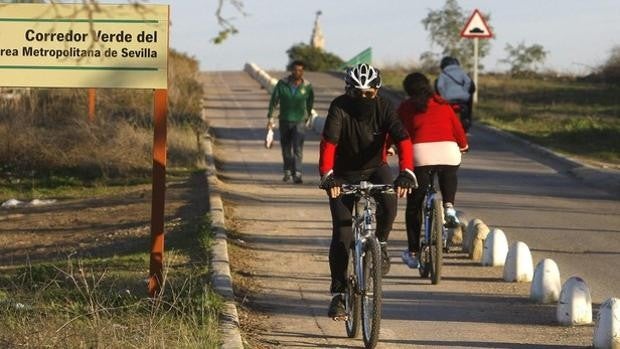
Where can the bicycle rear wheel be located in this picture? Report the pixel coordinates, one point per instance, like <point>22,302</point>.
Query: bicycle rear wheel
<point>372,295</point>
<point>352,300</point>
<point>436,241</point>
<point>423,251</point>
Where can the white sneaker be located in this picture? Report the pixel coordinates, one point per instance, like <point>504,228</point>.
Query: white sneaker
<point>409,259</point>
<point>450,216</point>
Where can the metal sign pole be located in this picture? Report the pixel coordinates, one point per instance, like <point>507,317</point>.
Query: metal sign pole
<point>475,28</point>
<point>476,69</point>
<point>159,193</point>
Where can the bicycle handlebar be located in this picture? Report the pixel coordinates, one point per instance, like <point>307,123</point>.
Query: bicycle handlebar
<point>365,187</point>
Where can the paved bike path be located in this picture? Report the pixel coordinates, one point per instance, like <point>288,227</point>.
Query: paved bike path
<point>287,228</point>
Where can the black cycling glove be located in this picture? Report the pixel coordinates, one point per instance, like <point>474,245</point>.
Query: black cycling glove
<point>407,180</point>
<point>328,181</point>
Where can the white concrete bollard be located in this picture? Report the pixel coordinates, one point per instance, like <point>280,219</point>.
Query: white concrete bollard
<point>575,304</point>
<point>607,329</point>
<point>477,246</point>
<point>459,232</point>
<point>546,285</point>
<point>469,236</point>
<point>455,236</point>
<point>518,266</point>
<point>476,250</point>
<point>495,249</point>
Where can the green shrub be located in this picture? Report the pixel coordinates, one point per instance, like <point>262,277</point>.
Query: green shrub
<point>315,59</point>
<point>610,71</point>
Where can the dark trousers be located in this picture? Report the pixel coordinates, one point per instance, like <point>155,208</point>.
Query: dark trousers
<point>413,214</point>
<point>465,115</point>
<point>342,231</point>
<point>292,136</point>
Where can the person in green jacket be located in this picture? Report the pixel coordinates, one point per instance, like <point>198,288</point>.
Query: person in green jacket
<point>295,97</point>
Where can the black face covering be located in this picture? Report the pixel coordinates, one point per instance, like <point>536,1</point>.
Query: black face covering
<point>364,108</point>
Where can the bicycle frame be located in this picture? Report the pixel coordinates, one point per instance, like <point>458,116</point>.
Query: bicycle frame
<point>362,231</point>
<point>363,228</point>
<point>363,295</point>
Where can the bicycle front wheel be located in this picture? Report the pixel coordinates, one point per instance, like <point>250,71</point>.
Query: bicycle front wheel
<point>352,299</point>
<point>372,293</point>
<point>437,242</point>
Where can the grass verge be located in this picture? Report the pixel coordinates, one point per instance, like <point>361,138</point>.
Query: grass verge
<point>68,187</point>
<point>90,302</point>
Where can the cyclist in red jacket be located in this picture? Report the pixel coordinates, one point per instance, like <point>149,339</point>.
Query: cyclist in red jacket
<point>438,141</point>
<point>353,148</point>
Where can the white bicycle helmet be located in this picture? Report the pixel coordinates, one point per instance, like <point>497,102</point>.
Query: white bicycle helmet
<point>363,76</point>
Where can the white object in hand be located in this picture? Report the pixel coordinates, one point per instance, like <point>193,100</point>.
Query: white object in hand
<point>269,139</point>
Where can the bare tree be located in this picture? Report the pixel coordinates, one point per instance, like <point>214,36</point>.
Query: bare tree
<point>226,24</point>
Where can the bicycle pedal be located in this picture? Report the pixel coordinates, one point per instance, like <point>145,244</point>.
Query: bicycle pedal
<point>341,318</point>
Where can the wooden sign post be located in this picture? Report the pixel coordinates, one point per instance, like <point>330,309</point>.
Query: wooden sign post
<point>91,103</point>
<point>159,190</point>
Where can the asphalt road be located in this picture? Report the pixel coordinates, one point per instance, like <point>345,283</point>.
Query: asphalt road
<point>286,229</point>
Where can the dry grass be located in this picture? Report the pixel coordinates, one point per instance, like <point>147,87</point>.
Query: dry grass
<point>99,302</point>
<point>46,133</point>
<point>574,117</point>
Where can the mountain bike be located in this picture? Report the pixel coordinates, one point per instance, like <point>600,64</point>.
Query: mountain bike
<point>434,234</point>
<point>363,294</point>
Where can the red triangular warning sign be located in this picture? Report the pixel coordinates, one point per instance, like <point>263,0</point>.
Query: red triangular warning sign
<point>476,27</point>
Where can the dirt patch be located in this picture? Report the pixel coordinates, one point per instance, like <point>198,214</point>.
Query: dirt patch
<point>252,318</point>
<point>98,226</point>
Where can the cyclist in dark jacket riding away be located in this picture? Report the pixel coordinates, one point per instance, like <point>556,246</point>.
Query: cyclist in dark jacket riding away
<point>457,88</point>
<point>353,148</point>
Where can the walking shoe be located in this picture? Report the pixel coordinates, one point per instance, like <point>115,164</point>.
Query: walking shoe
<point>450,216</point>
<point>297,178</point>
<point>287,177</point>
<point>410,259</point>
<point>336,308</point>
<point>385,259</point>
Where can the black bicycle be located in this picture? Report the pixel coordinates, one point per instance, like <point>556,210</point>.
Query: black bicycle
<point>434,234</point>
<point>363,295</point>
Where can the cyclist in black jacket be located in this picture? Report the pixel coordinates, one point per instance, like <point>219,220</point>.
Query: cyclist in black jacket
<point>353,148</point>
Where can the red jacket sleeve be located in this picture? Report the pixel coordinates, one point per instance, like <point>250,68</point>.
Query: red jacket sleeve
<point>405,154</point>
<point>327,156</point>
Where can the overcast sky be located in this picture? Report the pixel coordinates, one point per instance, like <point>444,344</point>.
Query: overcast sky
<point>576,33</point>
